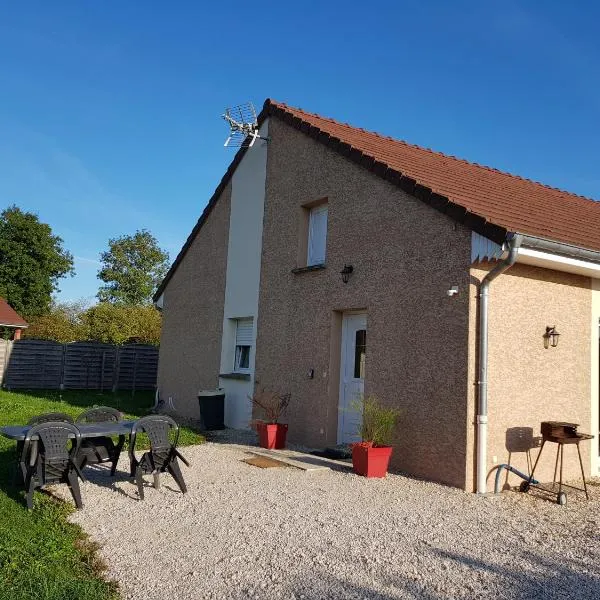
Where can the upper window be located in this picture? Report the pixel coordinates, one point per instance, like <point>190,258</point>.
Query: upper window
<point>243,345</point>
<point>317,235</point>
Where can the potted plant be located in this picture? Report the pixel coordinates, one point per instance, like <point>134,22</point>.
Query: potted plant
<point>271,433</point>
<point>371,456</point>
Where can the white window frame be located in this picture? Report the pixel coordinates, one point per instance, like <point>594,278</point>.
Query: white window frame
<point>317,238</point>
<point>244,330</point>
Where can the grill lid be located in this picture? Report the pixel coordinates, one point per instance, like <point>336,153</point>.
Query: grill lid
<point>563,433</point>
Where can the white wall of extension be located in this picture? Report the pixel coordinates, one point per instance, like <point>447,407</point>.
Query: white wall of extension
<point>243,275</point>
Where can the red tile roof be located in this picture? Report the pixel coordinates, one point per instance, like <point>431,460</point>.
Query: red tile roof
<point>501,199</point>
<point>9,316</point>
<point>488,201</point>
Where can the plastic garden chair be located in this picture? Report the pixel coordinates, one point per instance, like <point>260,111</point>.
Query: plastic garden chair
<point>163,434</point>
<point>100,449</point>
<point>50,460</point>
<point>49,418</point>
<point>43,418</point>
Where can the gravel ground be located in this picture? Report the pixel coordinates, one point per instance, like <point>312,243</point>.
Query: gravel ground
<point>245,532</point>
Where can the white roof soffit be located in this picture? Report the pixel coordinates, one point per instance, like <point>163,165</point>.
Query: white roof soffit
<point>539,258</point>
<point>550,255</point>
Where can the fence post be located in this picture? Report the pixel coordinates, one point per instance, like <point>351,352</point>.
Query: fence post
<point>44,360</point>
<point>117,367</point>
<point>102,371</point>
<point>63,367</point>
<point>135,355</point>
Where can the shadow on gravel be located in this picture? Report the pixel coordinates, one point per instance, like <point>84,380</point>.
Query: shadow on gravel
<point>335,588</point>
<point>530,577</point>
<point>100,475</point>
<point>536,577</point>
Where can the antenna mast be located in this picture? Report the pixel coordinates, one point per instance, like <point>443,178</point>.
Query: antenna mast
<point>243,126</point>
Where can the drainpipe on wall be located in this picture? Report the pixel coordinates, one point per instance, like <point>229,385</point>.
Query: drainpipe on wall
<point>482,403</point>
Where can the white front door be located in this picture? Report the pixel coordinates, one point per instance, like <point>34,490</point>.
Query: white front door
<point>352,376</point>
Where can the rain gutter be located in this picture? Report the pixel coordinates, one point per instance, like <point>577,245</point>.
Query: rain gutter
<point>559,248</point>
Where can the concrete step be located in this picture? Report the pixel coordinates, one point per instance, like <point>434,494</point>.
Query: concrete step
<point>300,460</point>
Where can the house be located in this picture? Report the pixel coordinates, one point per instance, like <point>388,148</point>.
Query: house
<point>11,320</point>
<point>332,261</point>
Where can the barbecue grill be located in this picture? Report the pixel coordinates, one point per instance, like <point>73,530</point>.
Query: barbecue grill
<point>562,434</point>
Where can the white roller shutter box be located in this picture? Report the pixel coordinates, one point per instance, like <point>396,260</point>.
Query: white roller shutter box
<point>243,334</point>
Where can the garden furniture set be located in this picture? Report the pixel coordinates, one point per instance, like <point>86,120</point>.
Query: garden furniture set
<point>52,448</point>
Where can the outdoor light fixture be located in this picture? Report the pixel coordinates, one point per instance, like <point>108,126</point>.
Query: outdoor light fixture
<point>346,272</point>
<point>551,337</point>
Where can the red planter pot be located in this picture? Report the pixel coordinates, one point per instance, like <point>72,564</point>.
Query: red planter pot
<point>272,435</point>
<point>370,461</point>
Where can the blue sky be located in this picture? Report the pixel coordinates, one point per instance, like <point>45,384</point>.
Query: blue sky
<point>109,111</point>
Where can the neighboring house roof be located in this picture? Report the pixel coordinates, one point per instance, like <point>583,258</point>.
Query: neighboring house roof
<point>9,316</point>
<point>486,200</point>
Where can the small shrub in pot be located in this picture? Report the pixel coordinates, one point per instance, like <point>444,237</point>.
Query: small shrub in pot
<point>371,456</point>
<point>272,405</point>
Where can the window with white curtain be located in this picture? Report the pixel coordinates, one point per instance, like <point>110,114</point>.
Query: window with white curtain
<point>243,344</point>
<point>317,235</point>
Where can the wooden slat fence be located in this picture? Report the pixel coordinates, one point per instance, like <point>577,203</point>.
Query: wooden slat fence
<point>40,364</point>
<point>89,366</point>
<point>138,366</point>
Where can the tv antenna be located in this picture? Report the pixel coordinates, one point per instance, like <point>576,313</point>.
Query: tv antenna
<point>243,126</point>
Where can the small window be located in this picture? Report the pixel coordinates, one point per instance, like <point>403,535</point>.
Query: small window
<point>243,345</point>
<point>242,358</point>
<point>317,235</point>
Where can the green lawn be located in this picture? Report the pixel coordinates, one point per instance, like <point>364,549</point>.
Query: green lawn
<point>42,556</point>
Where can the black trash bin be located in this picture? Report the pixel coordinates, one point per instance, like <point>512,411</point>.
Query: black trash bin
<point>212,408</point>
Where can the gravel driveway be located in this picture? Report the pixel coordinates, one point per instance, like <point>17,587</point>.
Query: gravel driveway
<point>245,532</point>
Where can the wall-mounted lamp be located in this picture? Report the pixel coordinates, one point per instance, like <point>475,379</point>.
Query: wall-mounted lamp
<point>346,272</point>
<point>551,337</point>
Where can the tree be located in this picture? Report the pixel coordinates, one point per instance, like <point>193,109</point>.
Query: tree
<point>104,322</point>
<point>32,260</point>
<point>133,267</point>
<point>120,323</point>
<point>62,323</point>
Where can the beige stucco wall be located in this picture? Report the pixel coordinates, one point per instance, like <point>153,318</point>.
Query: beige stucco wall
<point>527,383</point>
<point>595,375</point>
<point>406,256</point>
<point>190,345</point>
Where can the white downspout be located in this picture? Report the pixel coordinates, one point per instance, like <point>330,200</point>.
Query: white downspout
<point>482,403</point>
